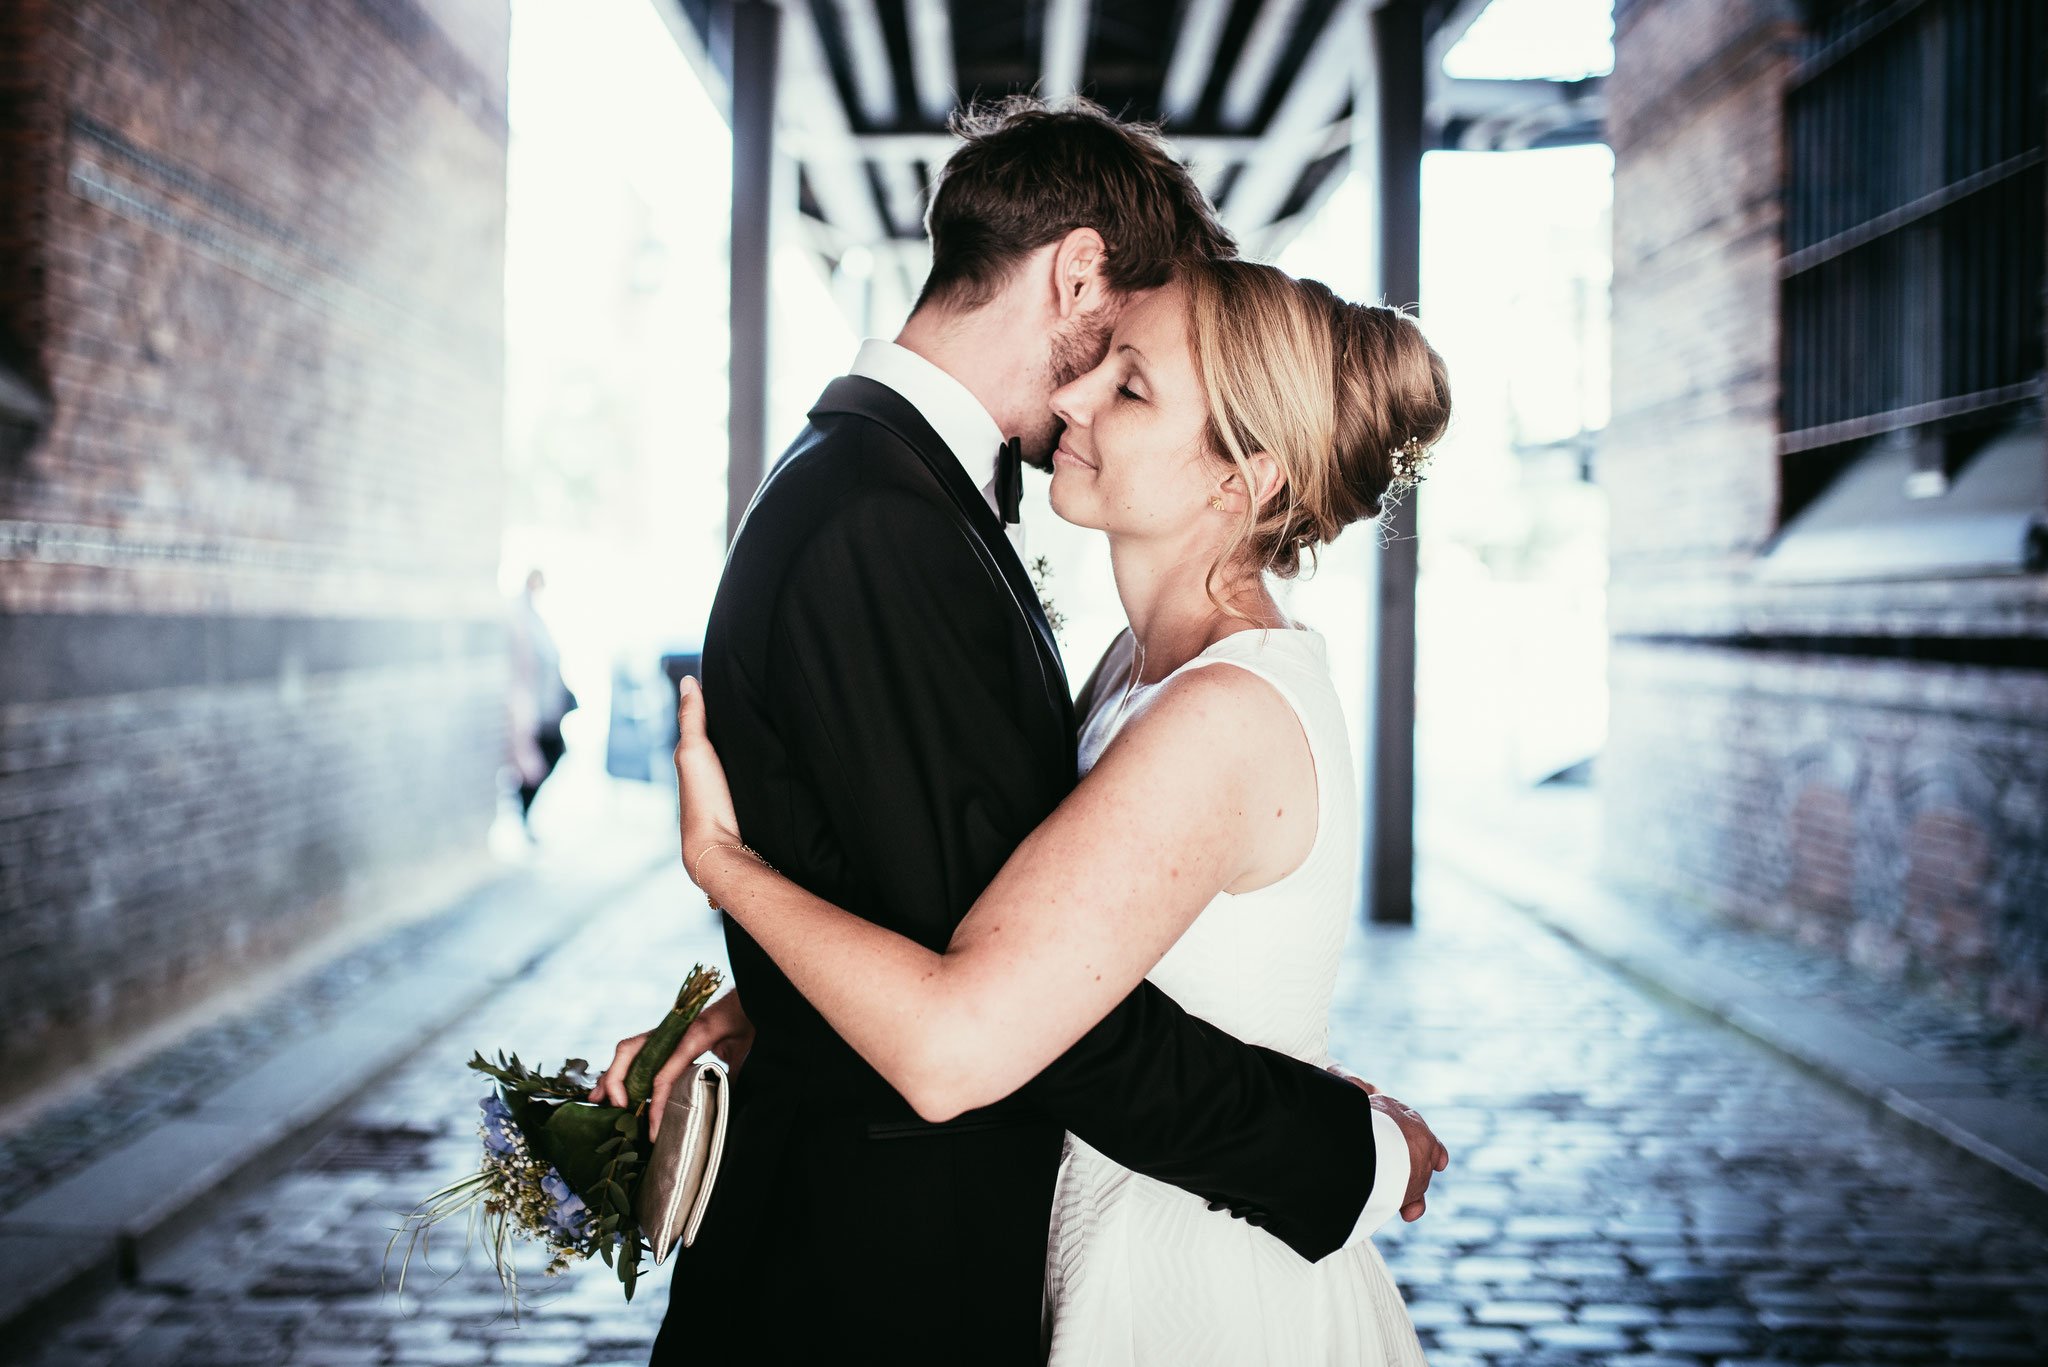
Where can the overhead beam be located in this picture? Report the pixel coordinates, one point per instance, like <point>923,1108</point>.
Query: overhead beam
<point>1448,33</point>
<point>1504,116</point>
<point>1194,58</point>
<point>1519,133</point>
<point>1463,98</point>
<point>903,195</point>
<point>1065,48</point>
<point>928,147</point>
<point>931,57</point>
<point>1257,59</point>
<point>819,128</point>
<point>934,148</point>
<point>1268,242</point>
<point>697,55</point>
<point>867,54</point>
<point>1327,79</point>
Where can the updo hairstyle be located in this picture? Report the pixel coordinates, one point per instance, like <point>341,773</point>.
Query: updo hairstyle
<point>1330,390</point>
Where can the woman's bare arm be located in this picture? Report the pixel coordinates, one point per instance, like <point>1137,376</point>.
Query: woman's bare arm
<point>1203,789</point>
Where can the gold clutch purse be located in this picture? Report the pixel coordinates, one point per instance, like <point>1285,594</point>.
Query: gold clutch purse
<point>677,1184</point>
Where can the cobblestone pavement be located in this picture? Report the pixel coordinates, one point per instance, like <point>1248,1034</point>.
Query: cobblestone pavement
<point>599,830</point>
<point>108,1113</point>
<point>1630,1184</point>
<point>1559,825</point>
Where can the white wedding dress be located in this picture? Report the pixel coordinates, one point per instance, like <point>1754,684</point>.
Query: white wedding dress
<point>1142,1274</point>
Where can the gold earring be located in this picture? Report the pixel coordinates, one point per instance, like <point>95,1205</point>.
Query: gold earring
<point>1216,502</point>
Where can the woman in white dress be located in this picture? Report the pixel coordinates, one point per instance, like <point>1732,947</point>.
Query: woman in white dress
<point>1240,417</point>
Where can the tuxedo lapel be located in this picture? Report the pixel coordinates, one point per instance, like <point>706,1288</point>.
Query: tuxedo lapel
<point>875,401</point>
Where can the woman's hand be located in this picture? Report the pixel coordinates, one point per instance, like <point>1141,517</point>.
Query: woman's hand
<point>702,796</point>
<point>722,1028</point>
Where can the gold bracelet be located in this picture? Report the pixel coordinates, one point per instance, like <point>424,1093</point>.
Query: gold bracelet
<point>741,846</point>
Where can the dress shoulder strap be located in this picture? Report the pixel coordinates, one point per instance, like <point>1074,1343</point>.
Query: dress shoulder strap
<point>1296,665</point>
<point>1293,662</point>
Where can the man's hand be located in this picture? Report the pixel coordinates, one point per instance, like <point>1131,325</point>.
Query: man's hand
<point>1426,1154</point>
<point>722,1028</point>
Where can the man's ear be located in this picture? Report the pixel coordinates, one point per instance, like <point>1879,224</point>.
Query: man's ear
<point>1077,271</point>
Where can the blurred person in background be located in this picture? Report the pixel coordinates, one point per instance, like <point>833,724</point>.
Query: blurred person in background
<point>540,698</point>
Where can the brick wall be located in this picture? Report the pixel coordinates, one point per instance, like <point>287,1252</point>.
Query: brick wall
<point>249,656</point>
<point>1890,813</point>
<point>1891,810</point>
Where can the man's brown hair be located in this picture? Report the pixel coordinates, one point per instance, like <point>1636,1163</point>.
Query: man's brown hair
<point>1030,173</point>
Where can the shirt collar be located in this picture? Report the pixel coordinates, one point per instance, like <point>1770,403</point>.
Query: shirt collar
<point>949,406</point>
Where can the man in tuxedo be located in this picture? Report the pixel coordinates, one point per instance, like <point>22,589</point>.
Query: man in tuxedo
<point>894,718</point>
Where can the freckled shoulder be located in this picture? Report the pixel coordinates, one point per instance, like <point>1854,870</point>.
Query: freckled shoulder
<point>1227,714</point>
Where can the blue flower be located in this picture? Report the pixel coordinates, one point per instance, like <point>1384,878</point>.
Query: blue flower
<point>499,1127</point>
<point>569,1214</point>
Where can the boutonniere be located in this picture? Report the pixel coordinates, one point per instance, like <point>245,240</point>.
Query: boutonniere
<point>1041,570</point>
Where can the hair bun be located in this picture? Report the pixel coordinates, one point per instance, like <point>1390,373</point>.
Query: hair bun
<point>1345,398</point>
<point>1393,400</point>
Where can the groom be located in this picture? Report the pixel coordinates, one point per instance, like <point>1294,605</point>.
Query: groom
<point>895,718</point>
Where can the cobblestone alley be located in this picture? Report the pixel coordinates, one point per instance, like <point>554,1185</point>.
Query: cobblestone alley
<point>1630,1184</point>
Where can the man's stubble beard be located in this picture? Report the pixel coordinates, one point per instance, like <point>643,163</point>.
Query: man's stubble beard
<point>1074,351</point>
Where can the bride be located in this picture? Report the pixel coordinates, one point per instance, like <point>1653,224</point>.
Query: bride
<point>1240,418</point>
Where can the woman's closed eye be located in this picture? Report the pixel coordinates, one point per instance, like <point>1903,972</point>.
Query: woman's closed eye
<point>1130,394</point>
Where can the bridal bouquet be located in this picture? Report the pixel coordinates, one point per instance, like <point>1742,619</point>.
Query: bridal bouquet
<point>558,1169</point>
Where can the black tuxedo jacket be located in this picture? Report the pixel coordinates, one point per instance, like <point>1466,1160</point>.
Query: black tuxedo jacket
<point>894,719</point>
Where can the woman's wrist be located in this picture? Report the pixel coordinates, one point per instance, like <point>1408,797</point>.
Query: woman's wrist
<point>713,865</point>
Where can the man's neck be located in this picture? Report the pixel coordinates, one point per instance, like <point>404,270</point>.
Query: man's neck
<point>980,348</point>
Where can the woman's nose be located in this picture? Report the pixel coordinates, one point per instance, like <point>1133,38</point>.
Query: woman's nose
<point>1070,401</point>
<point>1063,404</point>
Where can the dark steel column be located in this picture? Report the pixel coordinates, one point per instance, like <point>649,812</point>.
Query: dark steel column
<point>756,35</point>
<point>1390,801</point>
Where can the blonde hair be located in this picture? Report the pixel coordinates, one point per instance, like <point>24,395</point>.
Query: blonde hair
<point>1329,389</point>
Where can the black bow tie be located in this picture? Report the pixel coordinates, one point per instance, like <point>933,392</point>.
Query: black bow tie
<point>1010,479</point>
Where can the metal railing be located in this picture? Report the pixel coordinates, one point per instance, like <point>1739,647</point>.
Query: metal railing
<point>1914,234</point>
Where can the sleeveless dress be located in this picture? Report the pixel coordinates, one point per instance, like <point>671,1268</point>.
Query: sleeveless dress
<point>1142,1274</point>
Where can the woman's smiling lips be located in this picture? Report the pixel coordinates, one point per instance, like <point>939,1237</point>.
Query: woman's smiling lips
<point>1066,453</point>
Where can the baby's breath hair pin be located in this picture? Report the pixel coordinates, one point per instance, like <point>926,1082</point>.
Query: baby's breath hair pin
<point>1409,460</point>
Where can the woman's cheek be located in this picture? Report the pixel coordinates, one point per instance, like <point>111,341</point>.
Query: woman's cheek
<point>1071,498</point>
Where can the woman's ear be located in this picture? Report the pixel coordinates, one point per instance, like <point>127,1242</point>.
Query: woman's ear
<point>1077,264</point>
<point>1267,479</point>
<point>1266,482</point>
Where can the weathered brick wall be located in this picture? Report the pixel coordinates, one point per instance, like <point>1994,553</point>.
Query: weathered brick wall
<point>1692,115</point>
<point>1891,813</point>
<point>1894,811</point>
<point>249,653</point>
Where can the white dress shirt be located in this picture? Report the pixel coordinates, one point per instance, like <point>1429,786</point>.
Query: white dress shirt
<point>975,440</point>
<point>952,410</point>
<point>1390,1177</point>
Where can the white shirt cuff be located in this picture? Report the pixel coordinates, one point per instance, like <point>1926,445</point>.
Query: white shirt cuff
<point>1390,1178</point>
